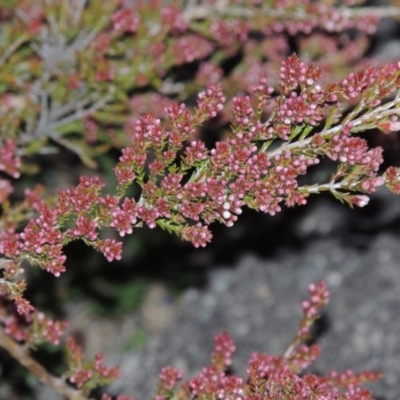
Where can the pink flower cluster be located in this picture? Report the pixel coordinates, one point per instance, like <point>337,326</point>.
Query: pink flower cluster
<point>10,163</point>
<point>125,20</point>
<point>319,296</point>
<point>392,179</point>
<point>87,373</point>
<point>32,326</point>
<point>223,350</point>
<point>214,185</point>
<point>172,18</point>
<point>269,377</point>
<point>40,238</point>
<point>168,379</point>
<point>189,48</point>
<point>229,33</point>
<point>211,381</point>
<point>48,330</point>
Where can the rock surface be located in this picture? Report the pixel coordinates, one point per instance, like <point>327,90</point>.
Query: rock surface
<point>258,302</point>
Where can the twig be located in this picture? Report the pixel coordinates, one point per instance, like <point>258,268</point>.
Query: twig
<point>384,111</point>
<point>80,114</point>
<point>13,47</point>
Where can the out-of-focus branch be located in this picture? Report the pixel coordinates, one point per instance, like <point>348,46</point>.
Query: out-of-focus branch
<point>216,10</point>
<point>13,47</point>
<point>58,115</point>
<point>21,355</point>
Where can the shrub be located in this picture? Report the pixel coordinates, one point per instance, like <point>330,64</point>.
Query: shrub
<point>83,75</point>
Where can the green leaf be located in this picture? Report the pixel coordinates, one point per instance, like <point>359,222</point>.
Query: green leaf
<point>296,131</point>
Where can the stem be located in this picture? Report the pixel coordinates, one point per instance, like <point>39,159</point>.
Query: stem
<point>291,347</point>
<point>390,108</point>
<point>331,187</point>
<point>20,354</point>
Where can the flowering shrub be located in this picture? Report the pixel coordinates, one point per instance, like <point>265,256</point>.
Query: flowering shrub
<point>70,74</point>
<point>269,377</point>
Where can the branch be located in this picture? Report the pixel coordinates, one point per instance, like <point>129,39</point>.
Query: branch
<point>20,354</point>
<point>331,187</point>
<point>384,111</point>
<point>80,114</point>
<point>77,9</point>
<point>51,120</point>
<point>216,11</point>
<point>12,48</point>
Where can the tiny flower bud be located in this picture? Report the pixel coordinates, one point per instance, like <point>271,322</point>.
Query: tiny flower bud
<point>360,200</point>
<point>226,214</point>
